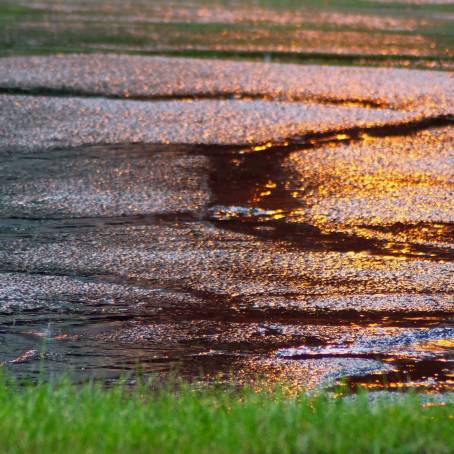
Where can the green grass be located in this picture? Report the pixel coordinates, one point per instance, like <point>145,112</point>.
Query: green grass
<point>50,418</point>
<point>41,30</point>
<point>360,5</point>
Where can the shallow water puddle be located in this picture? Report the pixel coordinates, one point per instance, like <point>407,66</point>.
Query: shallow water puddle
<point>285,222</point>
<point>213,259</point>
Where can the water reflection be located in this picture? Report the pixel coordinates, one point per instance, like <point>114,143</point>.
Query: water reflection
<point>237,271</point>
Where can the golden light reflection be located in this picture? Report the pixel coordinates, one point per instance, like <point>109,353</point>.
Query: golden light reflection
<point>270,184</point>
<point>262,147</point>
<point>278,214</point>
<point>439,345</point>
<point>367,137</point>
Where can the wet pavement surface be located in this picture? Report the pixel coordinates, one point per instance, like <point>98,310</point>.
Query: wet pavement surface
<point>292,223</point>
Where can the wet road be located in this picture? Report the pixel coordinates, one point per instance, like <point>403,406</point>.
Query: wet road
<point>279,221</point>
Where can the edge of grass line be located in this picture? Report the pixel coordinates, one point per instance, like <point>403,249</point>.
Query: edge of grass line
<point>63,417</point>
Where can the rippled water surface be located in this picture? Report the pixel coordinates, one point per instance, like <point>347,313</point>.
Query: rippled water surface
<point>213,260</point>
<point>288,222</point>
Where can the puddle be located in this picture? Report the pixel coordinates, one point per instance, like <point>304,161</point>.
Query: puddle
<point>115,257</point>
<point>290,240</point>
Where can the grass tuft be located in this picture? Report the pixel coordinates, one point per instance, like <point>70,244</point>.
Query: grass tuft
<point>63,417</point>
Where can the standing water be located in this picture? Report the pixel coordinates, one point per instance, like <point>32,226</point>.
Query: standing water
<point>282,221</point>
